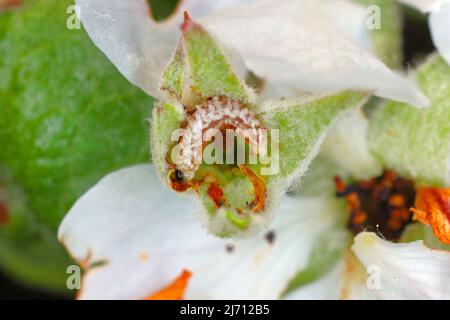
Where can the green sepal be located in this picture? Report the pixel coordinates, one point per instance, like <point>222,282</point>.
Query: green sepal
<point>303,125</point>
<point>166,118</point>
<point>172,79</point>
<point>200,70</point>
<point>416,142</point>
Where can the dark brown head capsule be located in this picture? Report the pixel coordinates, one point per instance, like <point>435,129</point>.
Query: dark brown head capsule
<point>179,176</point>
<point>177,181</point>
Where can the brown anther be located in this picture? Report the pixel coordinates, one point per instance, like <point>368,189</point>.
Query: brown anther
<point>353,201</point>
<point>359,218</point>
<point>339,185</point>
<point>388,177</point>
<point>397,200</point>
<point>402,214</point>
<point>394,224</point>
<point>380,203</point>
<point>367,184</point>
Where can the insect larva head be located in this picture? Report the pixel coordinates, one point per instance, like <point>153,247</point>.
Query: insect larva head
<point>177,181</point>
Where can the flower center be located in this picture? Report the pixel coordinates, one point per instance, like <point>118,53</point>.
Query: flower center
<point>382,203</point>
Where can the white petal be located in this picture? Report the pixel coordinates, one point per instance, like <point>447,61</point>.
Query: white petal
<point>346,281</point>
<point>298,43</point>
<point>258,270</point>
<point>198,8</point>
<point>351,20</point>
<point>407,270</point>
<point>126,33</point>
<point>290,44</point>
<point>127,216</point>
<point>354,280</point>
<point>423,5</point>
<point>440,30</point>
<point>137,45</point>
<point>347,146</point>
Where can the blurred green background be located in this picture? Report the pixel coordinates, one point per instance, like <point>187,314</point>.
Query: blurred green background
<point>67,118</point>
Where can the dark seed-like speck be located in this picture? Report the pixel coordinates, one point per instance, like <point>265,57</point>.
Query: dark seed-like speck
<point>229,248</point>
<point>270,237</point>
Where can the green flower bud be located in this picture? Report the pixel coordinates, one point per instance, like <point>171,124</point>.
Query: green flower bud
<point>278,140</point>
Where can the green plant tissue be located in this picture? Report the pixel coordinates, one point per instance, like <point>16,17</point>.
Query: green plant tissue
<point>67,118</point>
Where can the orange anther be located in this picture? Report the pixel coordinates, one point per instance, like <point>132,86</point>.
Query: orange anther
<point>359,218</point>
<point>339,184</point>
<point>397,200</point>
<point>353,201</point>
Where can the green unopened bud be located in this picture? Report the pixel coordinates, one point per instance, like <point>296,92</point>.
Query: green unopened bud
<point>200,70</point>
<point>214,141</point>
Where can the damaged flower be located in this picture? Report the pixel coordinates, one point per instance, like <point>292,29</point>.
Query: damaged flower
<point>326,77</point>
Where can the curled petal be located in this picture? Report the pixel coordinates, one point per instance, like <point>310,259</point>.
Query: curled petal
<point>403,270</point>
<point>124,30</point>
<point>134,238</point>
<point>351,21</point>
<point>299,45</point>
<point>433,208</point>
<point>293,44</point>
<point>136,44</point>
<point>199,8</point>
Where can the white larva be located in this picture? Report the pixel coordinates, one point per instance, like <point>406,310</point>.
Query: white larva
<point>215,113</point>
